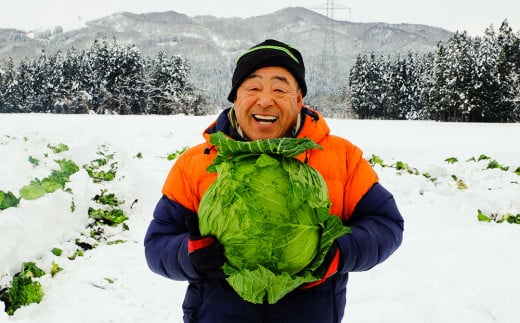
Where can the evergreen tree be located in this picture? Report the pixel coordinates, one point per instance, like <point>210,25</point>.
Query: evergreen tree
<point>367,84</point>
<point>124,93</point>
<point>460,76</point>
<point>37,97</point>
<point>419,84</point>
<point>507,73</point>
<point>466,79</point>
<point>425,86</point>
<point>385,91</point>
<point>168,83</point>
<point>402,85</point>
<point>9,99</point>
<point>96,77</point>
<point>73,97</point>
<point>438,97</point>
<point>358,87</point>
<point>24,90</point>
<point>486,86</point>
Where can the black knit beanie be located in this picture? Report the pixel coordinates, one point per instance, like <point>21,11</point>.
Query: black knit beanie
<point>268,53</point>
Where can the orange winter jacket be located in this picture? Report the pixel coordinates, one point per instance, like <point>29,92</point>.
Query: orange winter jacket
<point>364,204</point>
<point>347,174</point>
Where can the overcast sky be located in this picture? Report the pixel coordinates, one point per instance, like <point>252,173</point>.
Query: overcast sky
<point>473,16</point>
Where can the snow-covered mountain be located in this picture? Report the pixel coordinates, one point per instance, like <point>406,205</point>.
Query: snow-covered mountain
<point>211,44</point>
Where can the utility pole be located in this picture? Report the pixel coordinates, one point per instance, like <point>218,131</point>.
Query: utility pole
<point>329,60</point>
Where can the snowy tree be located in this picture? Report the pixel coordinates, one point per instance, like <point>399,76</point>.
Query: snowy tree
<point>169,89</point>
<point>421,82</point>
<point>486,85</point>
<point>401,87</point>
<point>508,73</point>
<point>358,86</point>
<point>25,86</point>
<point>466,79</point>
<point>407,82</point>
<point>9,98</point>
<point>460,77</point>
<point>123,91</point>
<point>71,95</point>
<point>106,78</point>
<point>367,84</point>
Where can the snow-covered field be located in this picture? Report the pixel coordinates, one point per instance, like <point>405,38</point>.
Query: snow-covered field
<point>450,268</point>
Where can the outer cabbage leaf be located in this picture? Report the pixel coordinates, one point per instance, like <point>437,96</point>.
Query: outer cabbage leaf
<point>32,191</point>
<point>271,213</point>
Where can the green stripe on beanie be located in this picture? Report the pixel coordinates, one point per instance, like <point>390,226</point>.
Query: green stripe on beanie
<point>285,50</point>
<point>268,53</point>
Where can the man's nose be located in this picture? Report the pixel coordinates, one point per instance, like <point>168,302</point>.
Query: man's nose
<point>265,99</point>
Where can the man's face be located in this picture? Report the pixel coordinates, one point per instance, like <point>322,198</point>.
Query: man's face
<point>267,103</point>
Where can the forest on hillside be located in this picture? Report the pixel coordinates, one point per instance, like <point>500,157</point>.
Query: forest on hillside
<point>107,78</point>
<point>473,79</point>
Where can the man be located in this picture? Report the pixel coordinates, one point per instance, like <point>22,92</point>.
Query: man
<point>267,93</point>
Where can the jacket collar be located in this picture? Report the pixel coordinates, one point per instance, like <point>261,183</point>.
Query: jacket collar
<point>313,126</point>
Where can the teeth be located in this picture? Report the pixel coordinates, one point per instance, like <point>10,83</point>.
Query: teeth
<point>265,118</point>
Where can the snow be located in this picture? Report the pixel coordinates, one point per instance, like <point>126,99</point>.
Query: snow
<point>450,267</point>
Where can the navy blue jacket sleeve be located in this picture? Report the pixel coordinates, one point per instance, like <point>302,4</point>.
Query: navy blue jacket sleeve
<point>377,231</point>
<point>166,241</point>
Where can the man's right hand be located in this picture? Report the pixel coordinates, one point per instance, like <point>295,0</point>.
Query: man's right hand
<point>205,252</point>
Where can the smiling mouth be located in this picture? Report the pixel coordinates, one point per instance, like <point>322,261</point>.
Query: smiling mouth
<point>265,119</point>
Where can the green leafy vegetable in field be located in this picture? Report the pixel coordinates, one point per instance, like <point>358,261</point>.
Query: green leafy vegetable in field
<point>271,213</point>
<point>101,175</point>
<point>118,241</point>
<point>460,183</point>
<point>59,148</point>
<point>23,290</point>
<point>111,217</point>
<point>376,160</point>
<point>33,191</point>
<point>176,154</point>
<point>8,199</point>
<point>404,167</point>
<point>78,253</point>
<point>499,218</point>
<point>106,198</point>
<point>494,164</point>
<point>34,161</point>
<point>451,160</point>
<point>55,268</point>
<point>67,167</point>
<point>55,181</point>
<point>97,168</point>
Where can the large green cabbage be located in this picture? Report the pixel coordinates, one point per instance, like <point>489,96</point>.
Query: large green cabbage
<point>271,213</point>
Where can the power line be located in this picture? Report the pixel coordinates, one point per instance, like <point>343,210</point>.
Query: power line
<point>329,57</point>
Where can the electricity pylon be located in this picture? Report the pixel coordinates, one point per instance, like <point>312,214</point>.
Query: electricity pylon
<point>329,57</point>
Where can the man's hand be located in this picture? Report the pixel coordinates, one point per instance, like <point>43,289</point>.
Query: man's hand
<point>331,263</point>
<point>206,253</point>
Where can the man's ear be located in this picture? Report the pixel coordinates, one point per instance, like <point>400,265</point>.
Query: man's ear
<point>299,100</point>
